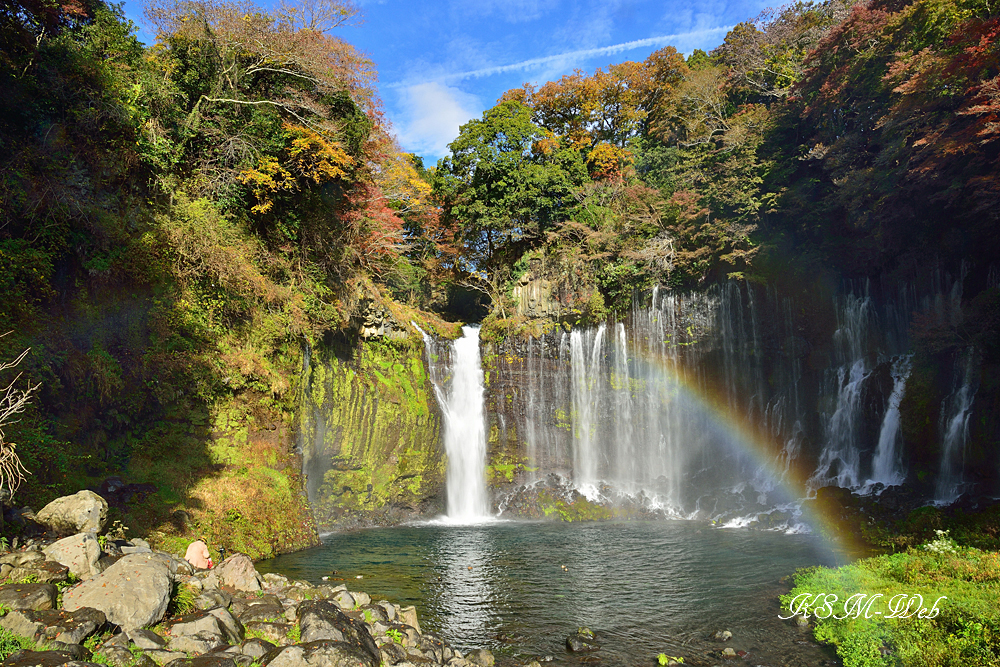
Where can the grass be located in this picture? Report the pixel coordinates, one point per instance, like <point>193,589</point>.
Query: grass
<point>954,623</point>
<point>182,600</point>
<point>11,643</point>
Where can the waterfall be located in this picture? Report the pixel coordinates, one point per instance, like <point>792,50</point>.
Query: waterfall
<point>459,391</point>
<point>840,461</point>
<point>887,464</point>
<point>955,413</point>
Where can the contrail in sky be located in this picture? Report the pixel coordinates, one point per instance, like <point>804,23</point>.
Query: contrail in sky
<point>663,40</point>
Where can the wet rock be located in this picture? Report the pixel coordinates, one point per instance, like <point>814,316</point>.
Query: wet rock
<point>263,612</point>
<point>729,652</point>
<point>132,593</point>
<point>79,553</point>
<point>79,513</point>
<point>392,653</point>
<point>722,635</point>
<point>236,572</point>
<point>28,596</point>
<point>323,653</point>
<point>374,613</point>
<point>582,641</point>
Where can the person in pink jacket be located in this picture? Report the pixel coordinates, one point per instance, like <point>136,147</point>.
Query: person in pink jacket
<point>198,555</point>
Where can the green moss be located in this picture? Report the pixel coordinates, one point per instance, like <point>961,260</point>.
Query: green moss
<point>580,509</point>
<point>381,431</point>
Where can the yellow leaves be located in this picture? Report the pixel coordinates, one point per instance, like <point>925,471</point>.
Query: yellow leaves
<point>608,160</point>
<point>401,184</point>
<point>310,156</point>
<point>315,157</point>
<point>267,179</point>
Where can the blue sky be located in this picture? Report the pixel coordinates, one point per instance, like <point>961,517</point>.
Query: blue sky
<point>443,63</point>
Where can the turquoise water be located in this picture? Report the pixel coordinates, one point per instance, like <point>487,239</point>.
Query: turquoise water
<point>645,587</point>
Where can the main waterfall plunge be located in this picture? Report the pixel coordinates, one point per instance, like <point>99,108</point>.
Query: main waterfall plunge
<point>458,385</point>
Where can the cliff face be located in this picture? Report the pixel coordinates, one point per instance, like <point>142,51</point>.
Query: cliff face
<point>369,430</point>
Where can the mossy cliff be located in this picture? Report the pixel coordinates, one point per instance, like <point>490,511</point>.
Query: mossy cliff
<point>369,431</point>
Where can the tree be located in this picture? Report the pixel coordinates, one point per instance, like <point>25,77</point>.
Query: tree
<point>12,403</point>
<point>506,183</point>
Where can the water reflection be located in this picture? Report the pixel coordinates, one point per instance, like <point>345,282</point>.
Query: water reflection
<point>467,594</point>
<point>646,587</point>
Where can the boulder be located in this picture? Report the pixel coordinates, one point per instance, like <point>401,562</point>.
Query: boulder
<point>263,612</point>
<point>116,656</point>
<point>408,615</point>
<point>164,657</point>
<point>256,647</point>
<point>236,572</point>
<point>199,632</point>
<point>582,641</point>
<point>44,659</point>
<point>28,596</point>
<point>273,632</point>
<point>52,625</point>
<point>79,553</point>
<point>133,593</point>
<point>322,620</point>
<point>79,513</point>
<point>481,657</point>
<point>42,571</point>
<point>215,660</point>
<point>323,653</point>
<point>231,626</point>
<point>145,639</point>
<point>212,597</point>
<point>18,558</point>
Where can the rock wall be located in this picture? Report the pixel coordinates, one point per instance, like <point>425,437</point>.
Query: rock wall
<point>369,431</point>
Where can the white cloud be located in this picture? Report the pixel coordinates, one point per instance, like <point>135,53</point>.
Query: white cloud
<point>684,42</point>
<point>431,115</point>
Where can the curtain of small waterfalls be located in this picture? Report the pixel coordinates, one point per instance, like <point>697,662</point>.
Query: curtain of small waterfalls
<point>715,401</point>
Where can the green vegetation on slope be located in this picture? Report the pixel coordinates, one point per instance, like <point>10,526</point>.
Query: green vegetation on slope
<point>955,622</point>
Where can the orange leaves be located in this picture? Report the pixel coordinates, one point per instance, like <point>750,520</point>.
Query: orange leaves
<point>608,161</point>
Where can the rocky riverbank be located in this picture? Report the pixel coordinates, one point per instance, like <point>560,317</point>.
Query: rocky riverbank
<point>86,600</point>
